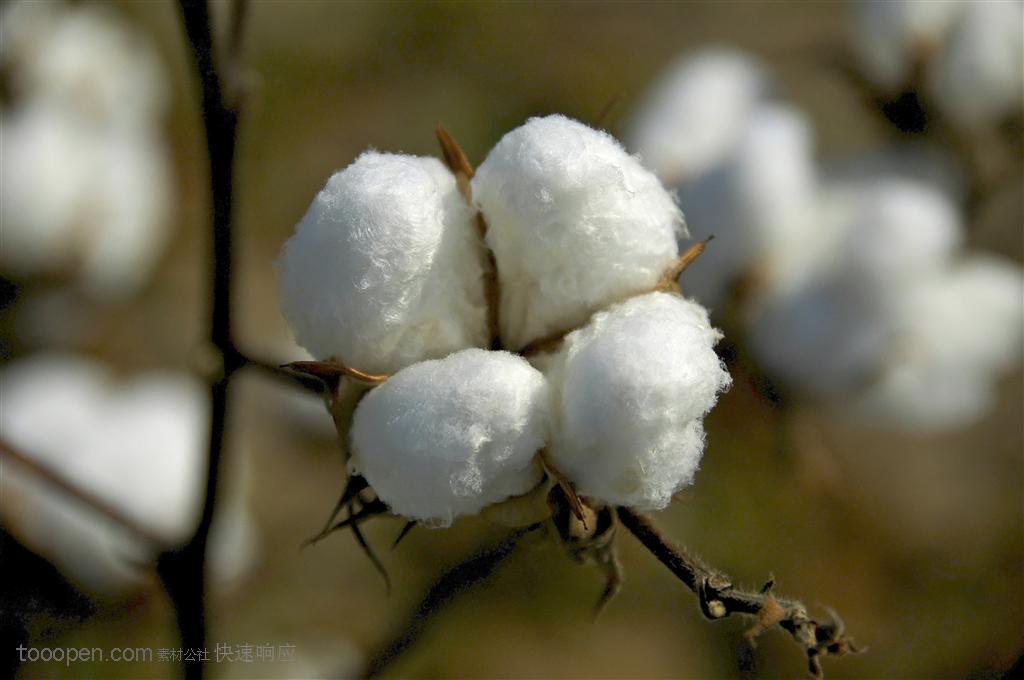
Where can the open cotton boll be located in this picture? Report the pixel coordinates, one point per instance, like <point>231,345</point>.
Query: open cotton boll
<point>129,209</point>
<point>448,437</point>
<point>824,336</point>
<point>81,201</point>
<point>696,111</point>
<point>891,37</point>
<point>960,330</point>
<point>575,223</point>
<point>977,79</point>
<point>137,446</point>
<point>89,60</point>
<point>900,230</point>
<point>758,203</point>
<point>632,388</point>
<point>48,161</point>
<point>385,268</point>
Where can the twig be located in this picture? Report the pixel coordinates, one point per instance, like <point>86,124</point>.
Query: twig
<point>182,570</point>
<point>90,500</point>
<point>456,160</point>
<point>718,597</point>
<point>459,578</point>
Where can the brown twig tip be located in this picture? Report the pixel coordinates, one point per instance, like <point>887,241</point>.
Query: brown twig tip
<point>718,598</point>
<point>332,370</point>
<point>669,280</point>
<point>454,157</point>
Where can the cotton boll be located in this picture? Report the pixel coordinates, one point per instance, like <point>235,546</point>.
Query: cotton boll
<point>129,207</point>
<point>48,161</point>
<point>696,111</point>
<point>977,78</point>
<point>88,60</point>
<point>824,336</point>
<point>891,37</point>
<point>385,268</point>
<point>758,204</point>
<point>81,201</point>
<point>575,223</point>
<point>136,446</point>
<point>445,438</point>
<point>901,229</point>
<point>632,388</point>
<point>960,330</point>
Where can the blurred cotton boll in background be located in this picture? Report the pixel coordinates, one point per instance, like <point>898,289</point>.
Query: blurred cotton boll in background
<point>136,445</point>
<point>894,38</point>
<point>965,57</point>
<point>897,326</point>
<point>695,111</point>
<point>758,203</point>
<point>87,185</point>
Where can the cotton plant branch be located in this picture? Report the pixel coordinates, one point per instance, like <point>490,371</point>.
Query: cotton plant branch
<point>718,598</point>
<point>183,570</point>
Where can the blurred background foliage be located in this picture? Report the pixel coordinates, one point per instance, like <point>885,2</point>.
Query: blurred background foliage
<point>917,541</point>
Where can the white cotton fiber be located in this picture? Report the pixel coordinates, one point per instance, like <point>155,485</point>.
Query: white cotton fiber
<point>575,224</point>
<point>385,268</point>
<point>977,80</point>
<point>696,111</point>
<point>632,388</point>
<point>88,59</point>
<point>900,229</point>
<point>758,203</point>
<point>960,330</point>
<point>138,446</point>
<point>890,37</point>
<point>445,438</point>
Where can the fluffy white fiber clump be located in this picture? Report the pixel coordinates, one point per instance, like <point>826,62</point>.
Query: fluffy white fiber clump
<point>138,446</point>
<point>632,389</point>
<point>977,78</point>
<point>958,332</point>
<point>575,224</point>
<point>890,37</point>
<point>385,268</point>
<point>87,181</point>
<point>695,111</point>
<point>967,54</point>
<point>446,438</point>
<point>758,203</point>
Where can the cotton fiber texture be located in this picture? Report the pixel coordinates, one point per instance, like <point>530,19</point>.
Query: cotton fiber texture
<point>631,391</point>
<point>575,224</point>
<point>446,438</point>
<point>385,267</point>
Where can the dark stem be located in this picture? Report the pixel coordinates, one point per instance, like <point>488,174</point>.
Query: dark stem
<point>183,570</point>
<point>473,571</point>
<point>718,597</point>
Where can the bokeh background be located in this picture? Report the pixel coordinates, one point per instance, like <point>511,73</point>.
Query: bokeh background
<point>916,540</point>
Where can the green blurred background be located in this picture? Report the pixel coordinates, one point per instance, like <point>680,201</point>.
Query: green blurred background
<point>918,542</point>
